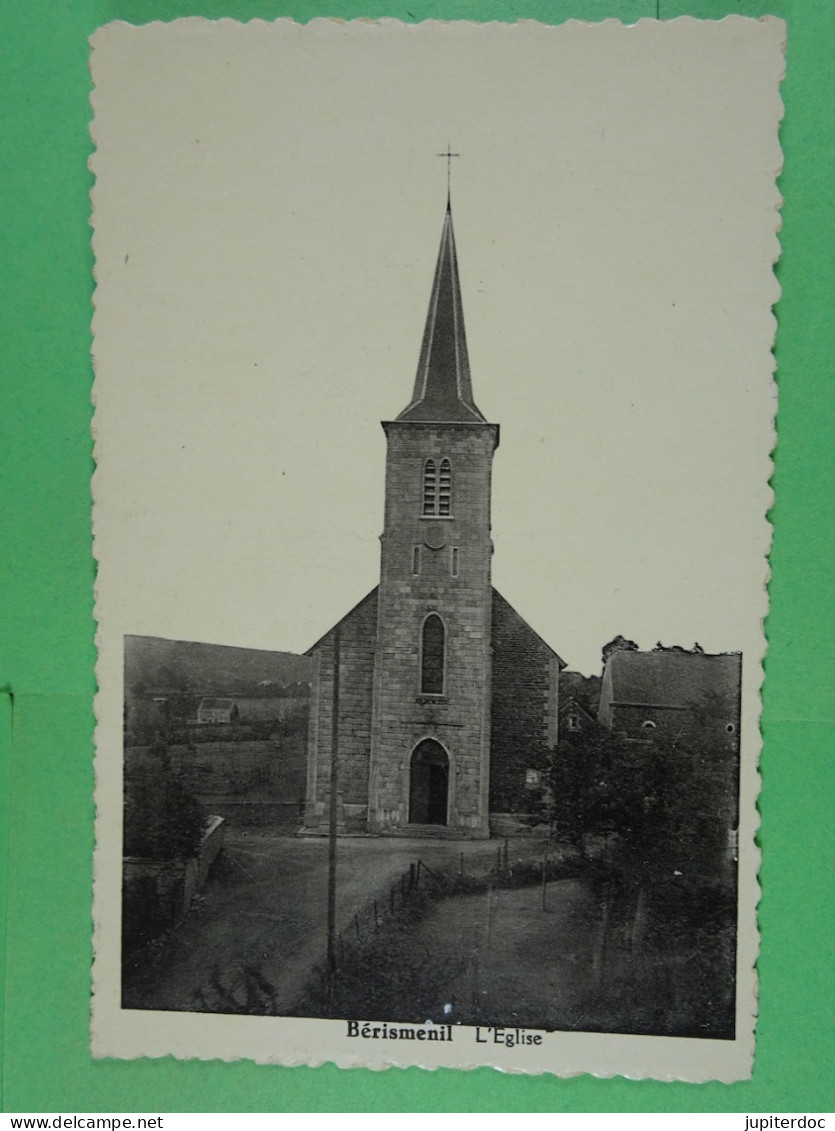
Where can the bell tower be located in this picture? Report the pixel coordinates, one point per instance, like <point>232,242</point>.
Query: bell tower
<point>430,727</point>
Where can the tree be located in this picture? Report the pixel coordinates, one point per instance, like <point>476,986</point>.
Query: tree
<point>619,644</point>
<point>162,819</point>
<point>667,807</point>
<point>652,818</point>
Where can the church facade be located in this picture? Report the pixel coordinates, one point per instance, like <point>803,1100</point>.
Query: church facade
<point>435,705</point>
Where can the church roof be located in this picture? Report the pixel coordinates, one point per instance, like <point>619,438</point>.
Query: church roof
<point>372,596</point>
<point>503,611</point>
<point>443,390</point>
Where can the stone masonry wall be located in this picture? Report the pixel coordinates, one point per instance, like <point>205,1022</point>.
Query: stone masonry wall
<point>357,632</point>
<point>524,709</point>
<point>420,574</point>
<point>668,724</point>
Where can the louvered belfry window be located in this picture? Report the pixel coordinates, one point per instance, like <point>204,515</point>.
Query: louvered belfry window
<point>444,488</point>
<point>430,487</point>
<point>437,489</point>
<point>432,656</point>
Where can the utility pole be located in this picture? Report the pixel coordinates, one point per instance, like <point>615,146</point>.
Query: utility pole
<point>332,824</point>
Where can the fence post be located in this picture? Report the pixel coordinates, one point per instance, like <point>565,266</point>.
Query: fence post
<point>505,852</point>
<point>462,865</point>
<point>489,914</point>
<point>412,876</point>
<point>544,879</point>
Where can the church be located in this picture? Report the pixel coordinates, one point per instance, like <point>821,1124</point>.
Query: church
<point>434,705</point>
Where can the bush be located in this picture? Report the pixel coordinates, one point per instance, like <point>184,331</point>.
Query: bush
<point>162,819</point>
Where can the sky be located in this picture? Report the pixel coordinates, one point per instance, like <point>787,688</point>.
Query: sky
<point>267,211</point>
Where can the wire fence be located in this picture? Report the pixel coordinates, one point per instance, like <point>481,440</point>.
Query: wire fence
<point>469,874</point>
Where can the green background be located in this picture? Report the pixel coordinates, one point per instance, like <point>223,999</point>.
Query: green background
<point>46,626</point>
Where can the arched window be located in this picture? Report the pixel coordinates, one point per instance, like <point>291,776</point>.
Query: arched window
<point>437,489</point>
<point>430,487</point>
<point>432,656</point>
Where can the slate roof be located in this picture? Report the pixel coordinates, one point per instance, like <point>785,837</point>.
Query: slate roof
<point>673,679</point>
<point>497,600</point>
<point>573,705</point>
<point>501,603</point>
<point>443,389</point>
<point>208,704</point>
<point>368,597</point>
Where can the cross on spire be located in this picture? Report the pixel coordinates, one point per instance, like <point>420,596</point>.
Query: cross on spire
<point>449,155</point>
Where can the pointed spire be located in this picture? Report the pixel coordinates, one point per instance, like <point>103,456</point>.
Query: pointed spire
<point>443,391</point>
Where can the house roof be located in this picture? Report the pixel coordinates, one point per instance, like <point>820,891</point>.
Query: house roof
<point>573,705</point>
<point>673,679</point>
<point>210,704</point>
<point>583,689</point>
<point>443,389</point>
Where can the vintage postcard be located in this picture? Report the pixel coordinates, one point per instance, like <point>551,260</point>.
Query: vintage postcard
<point>432,743</point>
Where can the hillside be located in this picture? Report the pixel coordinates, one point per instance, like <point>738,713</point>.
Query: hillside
<point>154,665</point>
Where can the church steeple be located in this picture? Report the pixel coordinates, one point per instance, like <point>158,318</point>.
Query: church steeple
<point>443,390</point>
<point>432,666</point>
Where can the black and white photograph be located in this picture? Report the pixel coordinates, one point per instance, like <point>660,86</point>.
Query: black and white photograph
<point>434,411</point>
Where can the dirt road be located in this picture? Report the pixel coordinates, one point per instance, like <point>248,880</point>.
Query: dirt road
<point>256,934</point>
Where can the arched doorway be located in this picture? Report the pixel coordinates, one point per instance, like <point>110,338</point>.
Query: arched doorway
<point>428,784</point>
